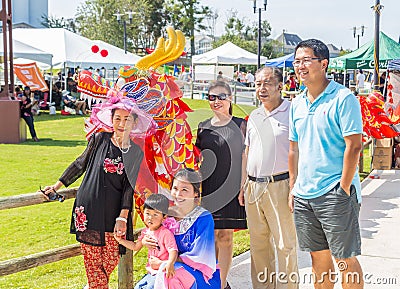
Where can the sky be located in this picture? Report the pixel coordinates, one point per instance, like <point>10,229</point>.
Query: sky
<point>331,21</point>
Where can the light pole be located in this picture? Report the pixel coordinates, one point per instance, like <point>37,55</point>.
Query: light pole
<point>119,16</point>
<point>355,29</point>
<point>377,11</point>
<point>259,29</point>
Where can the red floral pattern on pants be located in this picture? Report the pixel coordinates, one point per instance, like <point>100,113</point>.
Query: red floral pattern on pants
<point>100,261</point>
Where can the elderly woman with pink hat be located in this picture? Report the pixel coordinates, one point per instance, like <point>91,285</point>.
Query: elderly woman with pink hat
<point>104,200</point>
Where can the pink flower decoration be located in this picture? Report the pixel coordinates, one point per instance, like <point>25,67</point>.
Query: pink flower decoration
<point>120,168</point>
<point>95,49</point>
<point>114,99</point>
<point>171,224</point>
<point>109,166</point>
<point>80,220</point>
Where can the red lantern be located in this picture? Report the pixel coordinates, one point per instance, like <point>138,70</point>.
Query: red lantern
<point>95,49</point>
<point>104,53</point>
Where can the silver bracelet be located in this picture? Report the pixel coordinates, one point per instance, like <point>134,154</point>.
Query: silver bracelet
<point>121,219</point>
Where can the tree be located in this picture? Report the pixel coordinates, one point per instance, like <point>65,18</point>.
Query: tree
<point>54,22</point>
<point>188,16</point>
<point>272,49</point>
<point>344,51</point>
<point>249,45</point>
<point>234,25</point>
<point>96,20</point>
<point>155,20</point>
<point>245,36</point>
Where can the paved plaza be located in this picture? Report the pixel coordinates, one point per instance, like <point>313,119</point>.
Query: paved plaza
<point>380,232</point>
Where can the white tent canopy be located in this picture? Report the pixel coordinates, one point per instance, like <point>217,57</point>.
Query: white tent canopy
<point>26,51</point>
<point>228,53</point>
<point>41,65</point>
<point>73,50</point>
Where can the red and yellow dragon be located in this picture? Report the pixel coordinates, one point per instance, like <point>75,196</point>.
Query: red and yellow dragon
<point>171,147</point>
<point>378,123</point>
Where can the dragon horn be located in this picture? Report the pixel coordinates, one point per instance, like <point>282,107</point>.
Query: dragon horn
<point>145,62</point>
<point>169,47</point>
<point>180,46</point>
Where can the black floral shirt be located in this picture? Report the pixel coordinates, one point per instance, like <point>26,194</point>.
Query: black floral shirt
<point>106,189</point>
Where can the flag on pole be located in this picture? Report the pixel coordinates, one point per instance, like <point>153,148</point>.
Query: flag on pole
<point>30,75</point>
<point>166,69</point>
<point>182,68</point>
<point>191,71</point>
<point>176,70</point>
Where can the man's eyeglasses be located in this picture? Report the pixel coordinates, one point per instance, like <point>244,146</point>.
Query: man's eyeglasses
<point>213,97</point>
<point>306,61</point>
<point>53,196</point>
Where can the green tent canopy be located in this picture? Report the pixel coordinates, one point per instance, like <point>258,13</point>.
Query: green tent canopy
<point>363,58</point>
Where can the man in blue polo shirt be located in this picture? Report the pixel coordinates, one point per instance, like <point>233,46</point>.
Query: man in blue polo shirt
<point>325,133</point>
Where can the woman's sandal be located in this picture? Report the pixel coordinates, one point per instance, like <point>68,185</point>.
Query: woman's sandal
<point>227,286</point>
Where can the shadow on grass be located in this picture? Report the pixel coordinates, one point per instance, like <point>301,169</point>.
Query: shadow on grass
<point>48,142</point>
<point>363,175</point>
<point>58,116</point>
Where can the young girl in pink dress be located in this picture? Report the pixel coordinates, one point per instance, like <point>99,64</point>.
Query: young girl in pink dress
<point>155,209</point>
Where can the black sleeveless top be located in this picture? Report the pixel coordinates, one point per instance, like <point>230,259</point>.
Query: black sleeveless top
<point>222,148</point>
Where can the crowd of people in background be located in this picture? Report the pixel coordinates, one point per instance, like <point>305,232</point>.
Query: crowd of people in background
<point>247,78</point>
<point>64,87</point>
<point>65,95</point>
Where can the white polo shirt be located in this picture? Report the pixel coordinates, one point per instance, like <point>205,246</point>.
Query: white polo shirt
<point>361,80</point>
<point>267,137</point>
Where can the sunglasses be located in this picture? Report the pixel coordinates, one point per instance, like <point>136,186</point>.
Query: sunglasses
<point>213,97</point>
<point>53,196</point>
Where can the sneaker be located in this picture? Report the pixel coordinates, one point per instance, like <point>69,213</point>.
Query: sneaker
<point>80,113</point>
<point>35,139</point>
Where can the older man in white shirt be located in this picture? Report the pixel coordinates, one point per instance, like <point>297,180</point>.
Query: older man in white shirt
<point>266,191</point>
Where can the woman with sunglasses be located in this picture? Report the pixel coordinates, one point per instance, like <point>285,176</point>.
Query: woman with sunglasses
<point>221,141</point>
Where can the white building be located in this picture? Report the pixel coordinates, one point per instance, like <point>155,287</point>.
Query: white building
<point>203,43</point>
<point>289,42</point>
<point>333,50</point>
<point>28,13</point>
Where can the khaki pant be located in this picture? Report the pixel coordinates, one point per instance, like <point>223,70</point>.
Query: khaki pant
<point>271,228</point>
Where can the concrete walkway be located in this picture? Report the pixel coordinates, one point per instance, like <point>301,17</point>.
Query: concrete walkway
<point>380,232</point>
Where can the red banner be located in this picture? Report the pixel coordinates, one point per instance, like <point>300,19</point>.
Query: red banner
<point>30,75</point>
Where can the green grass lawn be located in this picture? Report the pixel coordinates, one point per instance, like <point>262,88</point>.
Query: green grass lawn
<point>27,230</point>
<point>32,229</point>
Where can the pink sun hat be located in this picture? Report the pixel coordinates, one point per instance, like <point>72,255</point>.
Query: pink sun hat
<point>101,116</point>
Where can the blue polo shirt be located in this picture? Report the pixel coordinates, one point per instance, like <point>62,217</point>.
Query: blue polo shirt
<point>319,129</point>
